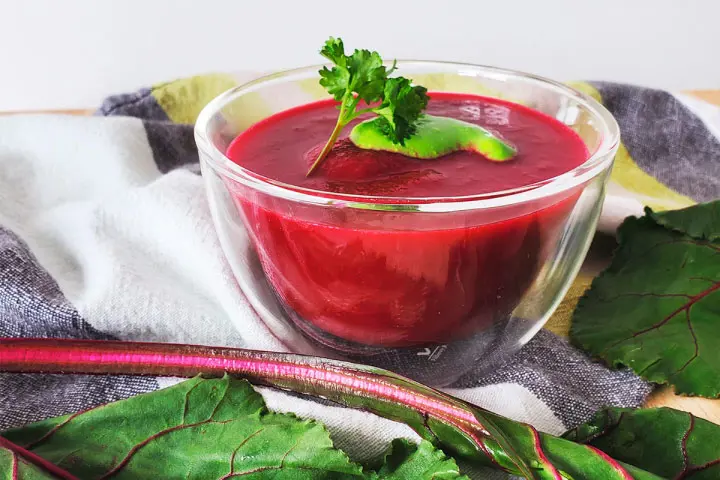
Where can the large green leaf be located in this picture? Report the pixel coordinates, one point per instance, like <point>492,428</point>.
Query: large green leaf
<point>667,442</point>
<point>656,309</point>
<point>701,221</point>
<point>14,466</point>
<point>204,429</point>
<point>406,460</point>
<point>201,428</point>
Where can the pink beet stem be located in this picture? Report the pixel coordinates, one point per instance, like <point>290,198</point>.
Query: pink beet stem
<point>315,376</point>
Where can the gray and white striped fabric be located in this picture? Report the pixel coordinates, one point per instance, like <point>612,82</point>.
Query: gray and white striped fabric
<point>105,233</point>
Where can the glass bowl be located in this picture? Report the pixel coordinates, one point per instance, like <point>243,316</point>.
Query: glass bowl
<point>427,287</point>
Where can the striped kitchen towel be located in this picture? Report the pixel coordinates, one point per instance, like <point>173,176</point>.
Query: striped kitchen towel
<point>105,233</point>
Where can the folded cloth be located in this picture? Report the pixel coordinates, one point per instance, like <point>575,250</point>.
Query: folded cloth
<point>105,233</point>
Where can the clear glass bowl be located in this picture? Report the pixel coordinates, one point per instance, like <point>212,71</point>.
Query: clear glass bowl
<point>429,288</point>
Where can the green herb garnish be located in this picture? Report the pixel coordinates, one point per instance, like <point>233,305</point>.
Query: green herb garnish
<point>363,77</point>
<point>400,125</point>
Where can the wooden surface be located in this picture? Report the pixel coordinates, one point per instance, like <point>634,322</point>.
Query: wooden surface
<point>663,396</point>
<point>77,111</point>
<point>712,96</point>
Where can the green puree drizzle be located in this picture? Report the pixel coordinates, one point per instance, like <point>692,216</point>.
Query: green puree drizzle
<point>433,138</point>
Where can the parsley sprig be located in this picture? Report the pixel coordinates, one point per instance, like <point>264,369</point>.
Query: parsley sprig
<point>363,77</point>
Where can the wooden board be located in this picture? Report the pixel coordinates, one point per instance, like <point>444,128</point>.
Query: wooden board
<point>663,396</point>
<point>77,111</point>
<point>712,96</point>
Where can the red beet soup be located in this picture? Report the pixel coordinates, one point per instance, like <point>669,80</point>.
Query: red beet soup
<point>405,278</point>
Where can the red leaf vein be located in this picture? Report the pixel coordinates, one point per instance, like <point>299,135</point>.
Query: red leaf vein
<point>155,436</point>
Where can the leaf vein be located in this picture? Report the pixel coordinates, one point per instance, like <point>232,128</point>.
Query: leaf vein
<point>691,301</point>
<point>155,436</point>
<point>683,447</point>
<point>234,453</point>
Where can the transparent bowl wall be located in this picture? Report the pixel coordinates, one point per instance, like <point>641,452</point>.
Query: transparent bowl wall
<point>431,288</point>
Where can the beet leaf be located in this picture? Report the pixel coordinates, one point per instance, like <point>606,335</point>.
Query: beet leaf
<point>209,429</point>
<point>458,428</point>
<point>667,442</point>
<point>656,309</point>
<point>701,221</point>
<point>17,463</point>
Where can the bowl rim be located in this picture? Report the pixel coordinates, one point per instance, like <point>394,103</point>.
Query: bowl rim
<point>598,162</point>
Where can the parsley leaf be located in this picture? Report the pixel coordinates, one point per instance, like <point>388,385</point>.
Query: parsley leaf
<point>334,50</point>
<point>362,76</point>
<point>401,108</point>
<point>335,81</point>
<point>368,75</point>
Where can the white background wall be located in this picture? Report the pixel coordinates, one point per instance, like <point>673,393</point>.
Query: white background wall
<point>71,53</point>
